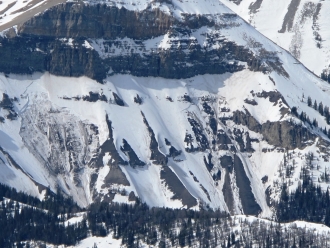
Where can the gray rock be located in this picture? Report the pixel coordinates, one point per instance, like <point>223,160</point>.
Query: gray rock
<point>283,134</point>
<point>176,186</point>
<point>37,49</point>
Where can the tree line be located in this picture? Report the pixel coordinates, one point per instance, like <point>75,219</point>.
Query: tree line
<point>323,110</point>
<point>308,202</point>
<point>325,76</point>
<point>25,225</point>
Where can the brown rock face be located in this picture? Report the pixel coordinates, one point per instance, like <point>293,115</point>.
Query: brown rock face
<point>280,134</point>
<point>100,21</point>
<point>287,135</point>
<point>42,44</point>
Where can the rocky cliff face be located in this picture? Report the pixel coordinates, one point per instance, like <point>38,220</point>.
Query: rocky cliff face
<point>79,20</point>
<point>26,55</point>
<point>98,40</point>
<point>178,107</point>
<point>284,134</point>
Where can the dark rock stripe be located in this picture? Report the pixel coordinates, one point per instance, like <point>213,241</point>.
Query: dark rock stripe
<point>133,158</point>
<point>115,176</point>
<point>156,155</point>
<point>249,204</point>
<point>317,12</point>
<point>289,16</point>
<point>254,7</point>
<point>227,163</point>
<point>176,186</point>
<point>108,147</point>
<point>228,193</point>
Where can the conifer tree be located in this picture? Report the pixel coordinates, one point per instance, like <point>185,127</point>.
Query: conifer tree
<point>321,111</point>
<point>309,101</point>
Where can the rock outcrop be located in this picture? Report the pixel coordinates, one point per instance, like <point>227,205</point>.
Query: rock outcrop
<point>63,48</point>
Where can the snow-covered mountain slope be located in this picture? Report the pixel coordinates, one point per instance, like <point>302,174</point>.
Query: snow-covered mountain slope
<point>179,104</point>
<point>66,135</point>
<point>299,26</point>
<point>14,12</point>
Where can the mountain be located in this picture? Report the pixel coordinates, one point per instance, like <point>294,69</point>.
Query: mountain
<point>299,26</point>
<point>13,12</point>
<point>181,104</point>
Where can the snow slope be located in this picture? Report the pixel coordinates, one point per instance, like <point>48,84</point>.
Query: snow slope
<point>306,36</point>
<point>168,119</point>
<point>14,12</point>
<point>171,142</point>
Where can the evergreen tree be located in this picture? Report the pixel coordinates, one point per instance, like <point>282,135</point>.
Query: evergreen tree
<point>302,116</point>
<point>326,111</point>
<point>137,222</point>
<point>309,101</point>
<point>325,76</point>
<point>321,111</point>
<point>294,111</point>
